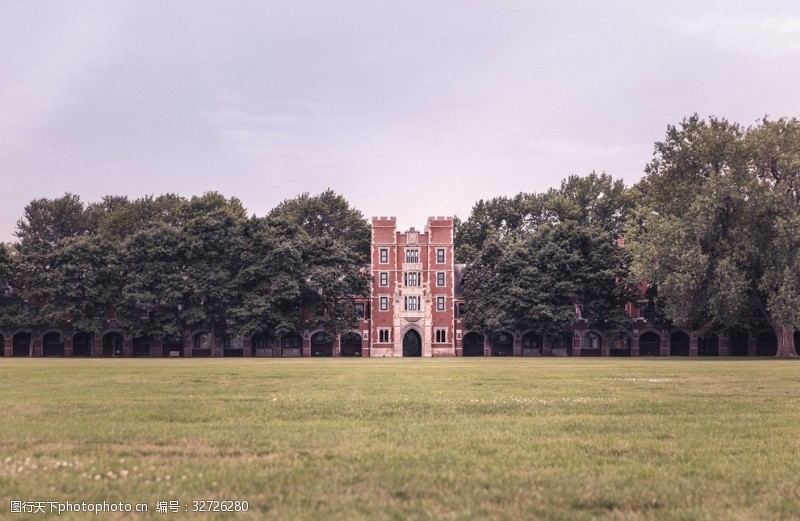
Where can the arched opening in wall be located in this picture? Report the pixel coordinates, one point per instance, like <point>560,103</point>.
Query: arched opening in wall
<point>620,347</point>
<point>2,345</point>
<point>532,344</point>
<point>738,342</point>
<point>766,344</point>
<point>171,348</point>
<point>233,345</point>
<point>561,345</point>
<point>81,344</point>
<point>321,344</point>
<point>292,345</point>
<point>53,344</point>
<point>503,345</point>
<point>202,344</point>
<point>350,344</point>
<point>797,342</point>
<point>650,344</point>
<point>679,344</point>
<point>142,346</point>
<point>472,344</point>
<point>112,344</point>
<point>591,344</point>
<point>262,345</point>
<point>708,345</point>
<point>412,344</point>
<point>21,344</point>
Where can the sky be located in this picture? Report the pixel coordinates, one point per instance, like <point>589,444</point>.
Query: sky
<point>407,108</point>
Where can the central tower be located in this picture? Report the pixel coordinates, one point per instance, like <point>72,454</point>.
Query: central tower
<point>412,289</point>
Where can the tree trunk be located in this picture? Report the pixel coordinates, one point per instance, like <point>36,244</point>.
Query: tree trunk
<point>785,334</point>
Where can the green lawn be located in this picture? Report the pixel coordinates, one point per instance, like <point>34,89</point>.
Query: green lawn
<point>545,438</point>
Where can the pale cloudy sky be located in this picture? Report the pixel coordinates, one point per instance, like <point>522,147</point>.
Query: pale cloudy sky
<point>408,108</point>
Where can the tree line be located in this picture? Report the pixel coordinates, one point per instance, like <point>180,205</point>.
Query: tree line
<point>712,229</point>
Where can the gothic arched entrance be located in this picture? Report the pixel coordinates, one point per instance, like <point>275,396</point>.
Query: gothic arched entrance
<point>412,344</point>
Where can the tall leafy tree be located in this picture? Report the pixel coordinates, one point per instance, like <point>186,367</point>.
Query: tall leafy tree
<point>716,231</point>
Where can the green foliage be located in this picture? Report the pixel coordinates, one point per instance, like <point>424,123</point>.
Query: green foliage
<point>717,230</point>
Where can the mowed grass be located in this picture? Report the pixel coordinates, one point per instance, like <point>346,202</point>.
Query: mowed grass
<point>547,438</point>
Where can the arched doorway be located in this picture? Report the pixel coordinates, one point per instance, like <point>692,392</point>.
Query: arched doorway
<point>171,348</point>
<point>738,343</point>
<point>262,345</point>
<point>21,344</point>
<point>531,344</point>
<point>233,345</point>
<point>112,345</point>
<point>591,344</point>
<point>472,344</point>
<point>412,343</point>
<point>350,344</point>
<point>679,344</point>
<point>766,344</point>
<point>141,346</point>
<point>503,345</point>
<point>52,344</point>
<point>708,345</point>
<point>292,345</point>
<point>202,344</point>
<point>650,344</point>
<point>321,344</point>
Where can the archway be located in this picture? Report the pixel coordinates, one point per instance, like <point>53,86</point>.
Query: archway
<point>141,347</point>
<point>591,344</point>
<point>472,344</point>
<point>262,345</point>
<point>350,344</point>
<point>321,344</point>
<point>412,343</point>
<point>531,344</point>
<point>292,345</point>
<point>21,344</point>
<point>233,345</point>
<point>503,345</point>
<point>679,344</point>
<point>202,344</point>
<point>52,344</point>
<point>708,345</point>
<point>171,348</point>
<point>112,345</point>
<point>766,344</point>
<point>738,343</point>
<point>650,344</point>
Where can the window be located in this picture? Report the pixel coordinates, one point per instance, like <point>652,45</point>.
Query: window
<point>384,278</point>
<point>319,338</point>
<point>292,341</point>
<point>360,310</point>
<point>441,335</point>
<point>412,279</point>
<point>461,308</point>
<point>440,255</point>
<point>412,255</point>
<point>412,304</point>
<point>384,303</point>
<point>383,335</point>
<point>439,303</point>
<point>384,256</point>
<point>440,278</point>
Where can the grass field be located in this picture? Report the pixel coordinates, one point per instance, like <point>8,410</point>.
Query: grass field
<point>561,439</point>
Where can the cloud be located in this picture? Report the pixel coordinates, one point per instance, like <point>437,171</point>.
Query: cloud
<point>768,35</point>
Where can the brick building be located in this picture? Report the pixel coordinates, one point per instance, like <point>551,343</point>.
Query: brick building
<point>413,310</point>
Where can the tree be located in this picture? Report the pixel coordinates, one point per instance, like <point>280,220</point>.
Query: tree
<point>547,281</point>
<point>717,229</point>
<point>328,215</point>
